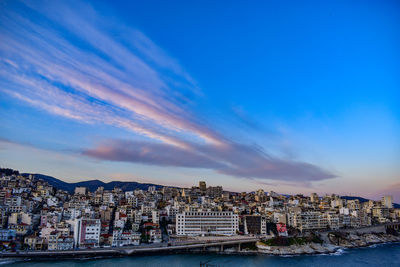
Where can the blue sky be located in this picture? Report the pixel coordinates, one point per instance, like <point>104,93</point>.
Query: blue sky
<point>281,95</point>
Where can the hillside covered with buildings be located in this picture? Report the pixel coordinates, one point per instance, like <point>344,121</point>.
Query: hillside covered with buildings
<point>35,214</point>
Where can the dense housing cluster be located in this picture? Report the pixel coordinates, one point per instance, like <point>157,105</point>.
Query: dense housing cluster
<point>37,216</point>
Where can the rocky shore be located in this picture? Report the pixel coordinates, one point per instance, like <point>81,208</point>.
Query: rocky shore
<point>332,242</point>
<point>352,240</point>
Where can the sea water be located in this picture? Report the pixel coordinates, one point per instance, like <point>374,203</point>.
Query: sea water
<point>377,255</point>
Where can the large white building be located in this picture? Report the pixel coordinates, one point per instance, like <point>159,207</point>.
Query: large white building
<point>87,233</point>
<point>194,223</point>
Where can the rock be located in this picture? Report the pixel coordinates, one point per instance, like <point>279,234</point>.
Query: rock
<point>329,246</point>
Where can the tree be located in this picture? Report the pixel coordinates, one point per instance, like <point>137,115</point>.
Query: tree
<point>128,225</point>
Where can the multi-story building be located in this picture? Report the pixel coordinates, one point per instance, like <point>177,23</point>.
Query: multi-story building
<point>194,223</point>
<point>155,216</point>
<point>7,235</point>
<point>314,197</point>
<point>387,201</point>
<point>57,241</point>
<point>155,235</point>
<point>80,191</point>
<point>87,232</point>
<point>255,225</point>
<point>214,191</point>
<point>333,220</point>
<point>203,187</point>
<point>125,238</point>
<point>309,220</point>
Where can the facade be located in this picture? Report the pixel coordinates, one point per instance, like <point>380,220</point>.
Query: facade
<point>308,220</point>
<point>255,225</point>
<point>203,187</point>
<point>80,191</point>
<point>314,197</point>
<point>87,233</point>
<point>35,242</point>
<point>155,235</point>
<point>214,191</point>
<point>387,201</point>
<point>59,242</point>
<point>127,238</point>
<point>207,223</point>
<point>7,235</point>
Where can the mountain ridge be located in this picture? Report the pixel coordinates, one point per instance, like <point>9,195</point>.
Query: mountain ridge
<point>92,185</point>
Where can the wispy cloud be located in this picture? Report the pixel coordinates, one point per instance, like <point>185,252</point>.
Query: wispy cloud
<point>72,62</point>
<point>232,159</point>
<point>151,153</point>
<point>244,118</point>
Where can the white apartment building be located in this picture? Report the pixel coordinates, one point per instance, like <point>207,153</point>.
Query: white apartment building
<point>333,220</point>
<point>155,215</point>
<point>87,233</point>
<point>108,198</point>
<point>387,201</point>
<point>127,238</point>
<point>308,220</point>
<point>195,223</point>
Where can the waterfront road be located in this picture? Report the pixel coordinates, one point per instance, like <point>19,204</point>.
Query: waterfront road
<point>142,249</point>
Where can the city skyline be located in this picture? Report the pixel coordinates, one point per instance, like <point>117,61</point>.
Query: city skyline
<point>93,185</point>
<point>48,217</point>
<point>289,98</point>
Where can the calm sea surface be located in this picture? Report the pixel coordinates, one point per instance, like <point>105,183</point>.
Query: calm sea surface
<point>380,255</point>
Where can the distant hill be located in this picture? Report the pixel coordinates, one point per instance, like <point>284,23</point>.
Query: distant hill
<point>92,185</point>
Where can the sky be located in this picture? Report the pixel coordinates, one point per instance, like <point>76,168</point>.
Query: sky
<point>289,96</point>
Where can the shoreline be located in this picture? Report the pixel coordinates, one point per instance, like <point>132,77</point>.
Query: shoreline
<point>333,252</point>
<point>330,245</point>
<point>343,257</point>
<point>276,251</point>
<point>10,260</point>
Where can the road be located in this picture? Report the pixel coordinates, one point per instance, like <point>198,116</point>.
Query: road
<point>142,249</point>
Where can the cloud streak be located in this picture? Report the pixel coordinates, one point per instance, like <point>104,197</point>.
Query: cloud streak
<point>233,159</point>
<point>74,63</point>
